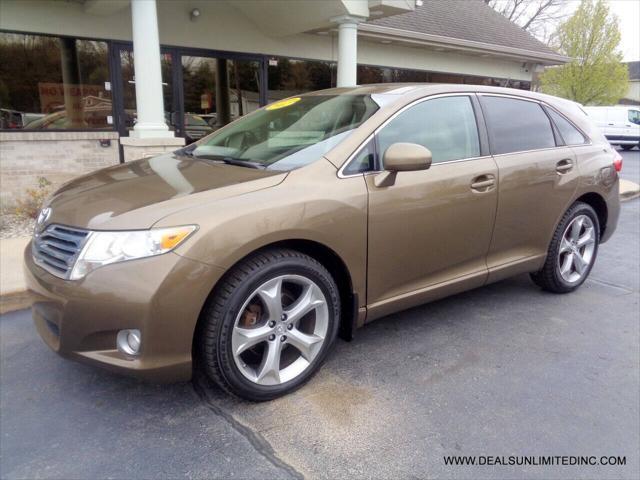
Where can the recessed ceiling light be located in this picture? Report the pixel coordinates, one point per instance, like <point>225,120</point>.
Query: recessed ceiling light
<point>323,32</point>
<point>439,49</point>
<point>376,13</point>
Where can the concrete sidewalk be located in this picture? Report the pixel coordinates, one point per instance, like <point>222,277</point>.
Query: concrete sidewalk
<point>628,190</point>
<point>12,285</point>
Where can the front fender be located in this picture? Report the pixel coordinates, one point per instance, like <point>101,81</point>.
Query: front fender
<point>312,204</point>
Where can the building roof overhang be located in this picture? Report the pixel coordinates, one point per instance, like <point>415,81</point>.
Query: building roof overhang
<point>442,43</point>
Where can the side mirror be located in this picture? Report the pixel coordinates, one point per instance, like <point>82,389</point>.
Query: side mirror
<point>402,157</point>
<point>406,157</point>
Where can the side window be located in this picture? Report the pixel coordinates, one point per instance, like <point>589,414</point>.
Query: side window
<point>570,134</point>
<point>446,126</point>
<point>516,125</point>
<point>364,161</point>
<point>634,116</point>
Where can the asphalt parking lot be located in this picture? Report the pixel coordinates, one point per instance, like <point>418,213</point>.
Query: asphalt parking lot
<point>631,165</point>
<point>502,370</point>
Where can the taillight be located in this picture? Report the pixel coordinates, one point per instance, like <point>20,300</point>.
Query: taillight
<point>617,160</point>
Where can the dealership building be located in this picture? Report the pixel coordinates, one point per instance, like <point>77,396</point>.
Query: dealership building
<point>90,83</point>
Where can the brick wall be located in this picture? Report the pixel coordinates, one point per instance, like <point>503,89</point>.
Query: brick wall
<point>58,156</point>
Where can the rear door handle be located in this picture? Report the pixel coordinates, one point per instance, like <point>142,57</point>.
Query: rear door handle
<point>483,183</point>
<point>564,166</point>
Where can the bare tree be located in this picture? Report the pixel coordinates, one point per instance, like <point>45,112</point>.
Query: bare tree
<point>538,17</point>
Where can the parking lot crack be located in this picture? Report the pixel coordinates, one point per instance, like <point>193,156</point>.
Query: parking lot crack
<point>612,285</point>
<point>257,441</point>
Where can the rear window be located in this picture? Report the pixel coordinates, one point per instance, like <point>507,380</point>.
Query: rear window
<point>570,134</point>
<point>516,125</point>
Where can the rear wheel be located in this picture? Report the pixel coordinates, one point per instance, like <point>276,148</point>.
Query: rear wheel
<point>572,251</point>
<point>270,324</point>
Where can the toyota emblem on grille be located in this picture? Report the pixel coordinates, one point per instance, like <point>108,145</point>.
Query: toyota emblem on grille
<point>44,215</point>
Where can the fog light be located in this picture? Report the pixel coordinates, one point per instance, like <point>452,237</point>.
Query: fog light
<point>128,341</point>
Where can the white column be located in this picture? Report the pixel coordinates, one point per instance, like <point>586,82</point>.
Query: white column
<point>148,73</point>
<point>347,49</point>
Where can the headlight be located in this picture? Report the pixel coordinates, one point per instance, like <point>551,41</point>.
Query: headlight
<point>103,248</point>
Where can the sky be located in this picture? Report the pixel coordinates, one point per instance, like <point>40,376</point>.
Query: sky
<point>628,12</point>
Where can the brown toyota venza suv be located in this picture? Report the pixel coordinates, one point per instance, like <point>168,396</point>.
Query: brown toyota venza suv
<point>248,252</point>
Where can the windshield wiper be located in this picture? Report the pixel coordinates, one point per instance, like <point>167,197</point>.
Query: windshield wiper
<point>240,162</point>
<point>188,150</point>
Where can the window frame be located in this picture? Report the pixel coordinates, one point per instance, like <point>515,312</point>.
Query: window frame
<point>543,105</point>
<point>548,108</point>
<point>114,47</point>
<point>109,43</point>
<point>480,125</point>
<point>523,99</point>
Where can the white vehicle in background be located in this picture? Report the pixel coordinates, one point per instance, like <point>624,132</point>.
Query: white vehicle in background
<point>621,125</point>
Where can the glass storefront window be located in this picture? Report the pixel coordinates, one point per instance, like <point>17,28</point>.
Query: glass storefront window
<point>54,83</point>
<point>207,107</point>
<point>289,77</point>
<point>129,116</point>
<point>373,74</point>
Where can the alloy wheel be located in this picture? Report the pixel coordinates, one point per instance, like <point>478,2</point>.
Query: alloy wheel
<point>280,330</point>
<point>576,249</point>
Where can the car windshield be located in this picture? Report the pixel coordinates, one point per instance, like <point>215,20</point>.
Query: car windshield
<point>289,133</point>
<point>634,116</point>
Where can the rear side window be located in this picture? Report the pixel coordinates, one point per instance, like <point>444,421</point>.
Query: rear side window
<point>446,126</point>
<point>570,134</point>
<point>516,125</point>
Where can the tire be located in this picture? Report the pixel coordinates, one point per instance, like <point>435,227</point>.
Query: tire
<point>555,276</point>
<point>627,147</point>
<point>240,335</point>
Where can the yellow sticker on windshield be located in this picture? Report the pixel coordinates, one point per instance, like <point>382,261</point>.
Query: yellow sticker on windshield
<point>283,103</point>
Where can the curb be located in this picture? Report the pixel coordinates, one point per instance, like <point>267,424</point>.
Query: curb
<point>629,196</point>
<point>13,301</point>
<point>628,190</point>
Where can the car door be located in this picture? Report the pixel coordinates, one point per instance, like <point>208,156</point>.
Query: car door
<point>538,177</point>
<point>429,231</point>
<point>610,129</point>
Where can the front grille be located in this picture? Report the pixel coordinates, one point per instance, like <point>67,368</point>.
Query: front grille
<point>56,248</point>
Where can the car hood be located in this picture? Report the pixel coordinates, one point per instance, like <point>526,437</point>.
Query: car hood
<point>137,194</point>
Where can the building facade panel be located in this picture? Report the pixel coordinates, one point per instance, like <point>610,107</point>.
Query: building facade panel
<point>56,156</point>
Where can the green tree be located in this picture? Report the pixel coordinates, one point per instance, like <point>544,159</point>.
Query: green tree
<point>596,74</point>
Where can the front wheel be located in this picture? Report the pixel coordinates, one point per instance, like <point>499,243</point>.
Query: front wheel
<point>572,251</point>
<point>270,324</point>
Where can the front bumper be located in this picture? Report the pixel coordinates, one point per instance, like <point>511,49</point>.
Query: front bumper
<point>161,296</point>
